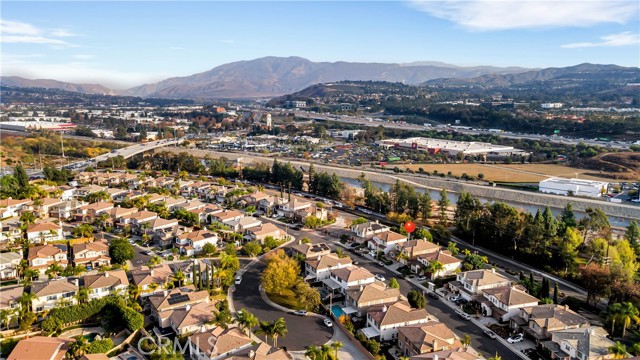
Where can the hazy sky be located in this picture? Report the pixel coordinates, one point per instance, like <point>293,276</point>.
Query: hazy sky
<point>123,44</point>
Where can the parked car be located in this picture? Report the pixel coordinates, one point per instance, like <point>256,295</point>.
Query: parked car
<point>380,277</point>
<point>328,322</point>
<point>464,315</point>
<point>380,263</point>
<point>356,263</point>
<point>238,280</point>
<point>300,312</point>
<point>454,298</point>
<point>490,334</point>
<point>515,338</point>
<point>422,278</point>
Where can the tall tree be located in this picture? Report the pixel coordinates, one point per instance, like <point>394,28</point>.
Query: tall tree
<point>443,204</point>
<point>567,217</point>
<point>425,205</point>
<point>633,235</point>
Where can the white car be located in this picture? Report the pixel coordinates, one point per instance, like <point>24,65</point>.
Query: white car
<point>380,277</point>
<point>328,322</point>
<point>515,338</point>
<point>238,280</point>
<point>300,312</point>
<point>454,298</point>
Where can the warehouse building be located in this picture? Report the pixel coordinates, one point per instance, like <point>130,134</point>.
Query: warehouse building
<point>576,187</point>
<point>450,147</point>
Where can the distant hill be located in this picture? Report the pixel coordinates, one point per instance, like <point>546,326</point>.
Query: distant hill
<point>602,77</point>
<point>17,81</point>
<point>274,76</point>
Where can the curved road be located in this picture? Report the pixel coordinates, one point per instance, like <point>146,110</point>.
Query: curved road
<point>303,331</point>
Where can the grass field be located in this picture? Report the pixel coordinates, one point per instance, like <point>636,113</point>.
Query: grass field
<point>517,173</point>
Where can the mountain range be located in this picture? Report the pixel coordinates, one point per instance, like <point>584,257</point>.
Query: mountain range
<point>268,77</point>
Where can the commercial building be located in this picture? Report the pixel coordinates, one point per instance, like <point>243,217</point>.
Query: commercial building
<point>449,147</point>
<point>577,187</point>
<point>36,125</point>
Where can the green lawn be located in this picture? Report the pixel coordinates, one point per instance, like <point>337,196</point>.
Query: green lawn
<point>286,299</point>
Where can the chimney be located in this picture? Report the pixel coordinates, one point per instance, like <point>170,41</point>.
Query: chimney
<point>435,347</point>
<point>151,272</point>
<point>166,293</point>
<point>188,307</point>
<point>77,282</point>
<point>361,287</point>
<point>106,274</point>
<point>384,308</point>
<point>435,357</point>
<point>251,354</point>
<point>493,270</point>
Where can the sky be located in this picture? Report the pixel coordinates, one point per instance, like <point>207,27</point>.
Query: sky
<point>124,44</point>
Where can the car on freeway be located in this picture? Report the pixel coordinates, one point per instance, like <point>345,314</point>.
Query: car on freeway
<point>328,322</point>
<point>515,338</point>
<point>300,312</point>
<point>490,334</point>
<point>379,277</point>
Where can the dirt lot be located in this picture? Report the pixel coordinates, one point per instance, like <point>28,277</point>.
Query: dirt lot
<point>518,173</point>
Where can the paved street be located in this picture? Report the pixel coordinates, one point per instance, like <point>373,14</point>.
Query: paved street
<point>303,331</point>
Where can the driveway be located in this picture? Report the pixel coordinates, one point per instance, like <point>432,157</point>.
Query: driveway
<point>303,331</point>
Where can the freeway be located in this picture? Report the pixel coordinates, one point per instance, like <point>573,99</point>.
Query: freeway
<point>554,139</point>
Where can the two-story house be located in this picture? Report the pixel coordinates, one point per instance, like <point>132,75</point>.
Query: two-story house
<point>43,232</point>
<point>450,264</point>
<point>386,241</point>
<point>310,250</point>
<point>259,233</point>
<point>10,232</point>
<point>319,268</point>
<point>10,299</point>
<point>192,242</point>
<point>383,321</point>
<point>425,338</point>
<point>41,257</point>
<point>164,303</point>
<point>12,207</point>
<point>218,343</point>
<point>106,283</point>
<point>92,255</point>
<point>346,278</point>
<point>53,293</point>
<point>413,248</point>
<point>269,204</point>
<point>360,300</point>
<point>150,280</point>
<point>136,220</point>
<point>289,209</point>
<point>9,264</point>
<point>226,216</point>
<point>66,192</point>
<point>471,284</point>
<point>243,223</point>
<point>316,211</point>
<point>503,303</point>
<point>88,213</point>
<point>365,231</point>
<point>538,322</point>
<point>67,209</point>
<point>589,343</point>
<point>47,204</point>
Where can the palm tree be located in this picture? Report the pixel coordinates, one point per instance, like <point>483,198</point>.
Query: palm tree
<point>434,267</point>
<point>179,277</point>
<point>247,320</point>
<point>83,295</point>
<point>27,218</point>
<point>5,317</point>
<point>628,314</point>
<point>336,345</point>
<point>495,357</point>
<point>466,340</point>
<point>279,330</point>
<point>265,328</point>
<point>619,350</point>
<point>613,312</point>
<point>83,230</point>
<point>53,270</point>
<point>402,257</point>
<point>314,353</point>
<point>78,347</point>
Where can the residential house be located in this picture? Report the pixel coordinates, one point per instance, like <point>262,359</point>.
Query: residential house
<point>192,242</point>
<point>540,321</point>
<point>226,216</point>
<point>218,343</point>
<point>204,212</point>
<point>10,297</point>
<point>192,318</point>
<point>106,283</point>
<point>10,231</point>
<point>426,338</point>
<point>383,321</point>
<point>263,351</point>
<point>255,198</point>
<point>411,249</point>
<point>66,192</point>
<point>159,224</point>
<point>53,293</point>
<point>313,210</point>
<point>243,224</point>
<point>346,278</point>
<point>289,209</point>
<point>41,257</point>
<point>172,203</point>
<point>470,284</point>
<point>150,280</point>
<point>67,209</point>
<point>190,205</point>
<point>450,264</point>
<point>259,233</point>
<point>12,207</point>
<point>310,250</point>
<point>269,204</point>
<point>90,212</point>
<point>360,300</point>
<point>589,343</point>
<point>9,264</point>
<point>319,268</point>
<point>386,241</point>
<point>365,231</point>
<point>86,190</point>
<point>42,232</point>
<point>46,206</point>
<point>461,353</point>
<point>503,303</point>
<point>163,304</point>
<point>118,212</point>
<point>41,348</point>
<point>136,220</point>
<point>91,255</point>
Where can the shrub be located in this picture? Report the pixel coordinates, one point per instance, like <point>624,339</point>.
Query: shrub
<point>100,346</point>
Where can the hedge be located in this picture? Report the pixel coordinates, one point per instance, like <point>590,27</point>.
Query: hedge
<point>100,346</point>
<point>70,314</point>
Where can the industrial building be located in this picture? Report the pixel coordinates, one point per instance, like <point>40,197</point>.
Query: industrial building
<point>36,125</point>
<point>576,187</point>
<point>449,147</point>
